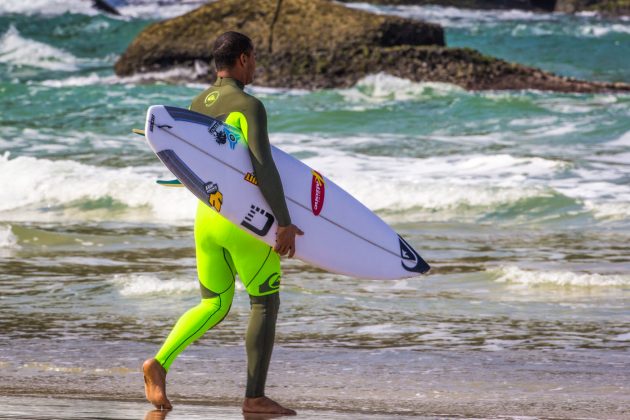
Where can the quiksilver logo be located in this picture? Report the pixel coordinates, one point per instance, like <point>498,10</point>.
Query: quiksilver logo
<point>411,261</point>
<point>211,98</point>
<point>271,283</point>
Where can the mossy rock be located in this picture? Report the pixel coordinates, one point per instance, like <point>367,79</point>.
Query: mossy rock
<point>276,27</point>
<point>315,44</point>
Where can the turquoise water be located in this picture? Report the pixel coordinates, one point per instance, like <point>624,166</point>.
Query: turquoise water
<point>519,200</point>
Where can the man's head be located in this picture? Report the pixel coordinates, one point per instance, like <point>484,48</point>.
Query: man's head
<point>234,56</point>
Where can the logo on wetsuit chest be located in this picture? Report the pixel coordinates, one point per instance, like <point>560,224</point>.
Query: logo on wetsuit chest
<point>317,193</point>
<point>211,98</point>
<point>215,197</point>
<point>258,220</point>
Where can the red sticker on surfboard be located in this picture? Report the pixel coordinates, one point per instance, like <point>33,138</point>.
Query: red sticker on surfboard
<point>317,193</point>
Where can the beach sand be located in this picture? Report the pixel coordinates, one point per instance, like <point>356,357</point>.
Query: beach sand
<point>327,383</point>
<point>35,407</point>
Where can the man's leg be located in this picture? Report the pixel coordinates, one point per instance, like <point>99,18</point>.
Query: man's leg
<point>261,333</point>
<point>216,277</point>
<point>258,266</point>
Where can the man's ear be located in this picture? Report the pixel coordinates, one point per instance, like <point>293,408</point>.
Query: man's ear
<point>243,59</point>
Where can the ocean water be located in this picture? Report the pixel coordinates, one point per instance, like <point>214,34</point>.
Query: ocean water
<point>520,201</point>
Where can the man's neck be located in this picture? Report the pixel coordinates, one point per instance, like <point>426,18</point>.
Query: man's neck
<point>225,74</point>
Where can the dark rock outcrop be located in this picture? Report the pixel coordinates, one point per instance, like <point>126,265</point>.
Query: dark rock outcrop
<point>319,44</point>
<point>299,27</point>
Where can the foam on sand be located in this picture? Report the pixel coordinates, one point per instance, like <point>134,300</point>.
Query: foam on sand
<point>534,278</point>
<point>7,239</point>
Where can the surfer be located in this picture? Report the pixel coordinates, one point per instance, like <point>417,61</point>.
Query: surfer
<point>223,249</point>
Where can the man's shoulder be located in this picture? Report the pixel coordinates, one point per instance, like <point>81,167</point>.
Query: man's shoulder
<point>253,102</point>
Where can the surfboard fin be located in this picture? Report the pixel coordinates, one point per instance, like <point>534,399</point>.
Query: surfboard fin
<point>171,183</point>
<point>137,131</point>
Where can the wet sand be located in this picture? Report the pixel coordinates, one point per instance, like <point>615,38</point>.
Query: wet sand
<point>32,407</point>
<point>328,383</point>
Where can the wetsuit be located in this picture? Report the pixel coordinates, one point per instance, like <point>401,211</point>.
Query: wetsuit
<point>223,249</point>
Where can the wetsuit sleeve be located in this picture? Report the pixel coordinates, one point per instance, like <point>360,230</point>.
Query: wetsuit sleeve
<point>262,161</point>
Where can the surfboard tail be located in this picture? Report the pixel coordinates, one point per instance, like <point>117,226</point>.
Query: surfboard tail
<point>411,260</point>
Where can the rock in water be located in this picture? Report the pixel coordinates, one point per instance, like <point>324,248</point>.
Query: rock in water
<point>319,44</point>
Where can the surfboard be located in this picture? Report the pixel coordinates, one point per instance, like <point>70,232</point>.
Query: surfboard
<point>341,235</point>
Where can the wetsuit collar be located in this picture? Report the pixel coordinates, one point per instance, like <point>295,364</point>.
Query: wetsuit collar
<point>221,81</point>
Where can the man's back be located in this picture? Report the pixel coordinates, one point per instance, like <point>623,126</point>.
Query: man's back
<point>226,100</point>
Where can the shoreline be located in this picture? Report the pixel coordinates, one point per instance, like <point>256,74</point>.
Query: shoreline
<point>38,406</point>
<point>386,383</point>
<point>70,407</point>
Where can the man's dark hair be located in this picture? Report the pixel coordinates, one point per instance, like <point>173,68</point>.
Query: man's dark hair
<point>229,47</point>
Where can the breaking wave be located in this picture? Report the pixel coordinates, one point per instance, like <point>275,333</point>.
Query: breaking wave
<point>531,278</point>
<point>19,51</point>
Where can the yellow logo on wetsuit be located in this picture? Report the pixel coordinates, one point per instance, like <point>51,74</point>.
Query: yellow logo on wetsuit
<point>211,98</point>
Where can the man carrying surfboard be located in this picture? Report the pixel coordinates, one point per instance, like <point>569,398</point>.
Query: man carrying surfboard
<point>223,249</point>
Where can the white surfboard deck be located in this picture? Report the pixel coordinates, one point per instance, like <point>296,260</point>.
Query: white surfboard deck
<point>341,235</point>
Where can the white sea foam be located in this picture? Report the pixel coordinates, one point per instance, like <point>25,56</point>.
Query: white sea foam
<point>518,22</point>
<point>163,10</point>
<point>47,7</point>
<point>382,87</point>
<point>144,284</point>
<point>7,238</point>
<point>137,9</point>
<point>89,80</point>
<point>453,17</point>
<point>598,31</point>
<point>623,140</point>
<point>394,183</point>
<point>172,74</point>
<point>41,189</point>
<point>622,337</point>
<point>19,51</point>
<point>380,329</point>
<point>532,278</point>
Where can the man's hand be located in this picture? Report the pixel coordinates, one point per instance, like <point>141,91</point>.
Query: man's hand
<point>285,239</point>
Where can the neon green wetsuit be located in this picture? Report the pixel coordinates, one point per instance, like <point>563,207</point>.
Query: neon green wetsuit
<point>223,249</point>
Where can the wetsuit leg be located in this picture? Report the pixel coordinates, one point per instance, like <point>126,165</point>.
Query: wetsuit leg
<point>216,277</point>
<point>259,341</point>
<point>258,266</point>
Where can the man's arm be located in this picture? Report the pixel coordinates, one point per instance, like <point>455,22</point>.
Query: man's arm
<point>268,177</point>
<point>262,161</point>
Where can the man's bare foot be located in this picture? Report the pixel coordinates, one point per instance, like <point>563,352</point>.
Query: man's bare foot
<point>155,384</point>
<point>264,405</point>
<point>156,414</point>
